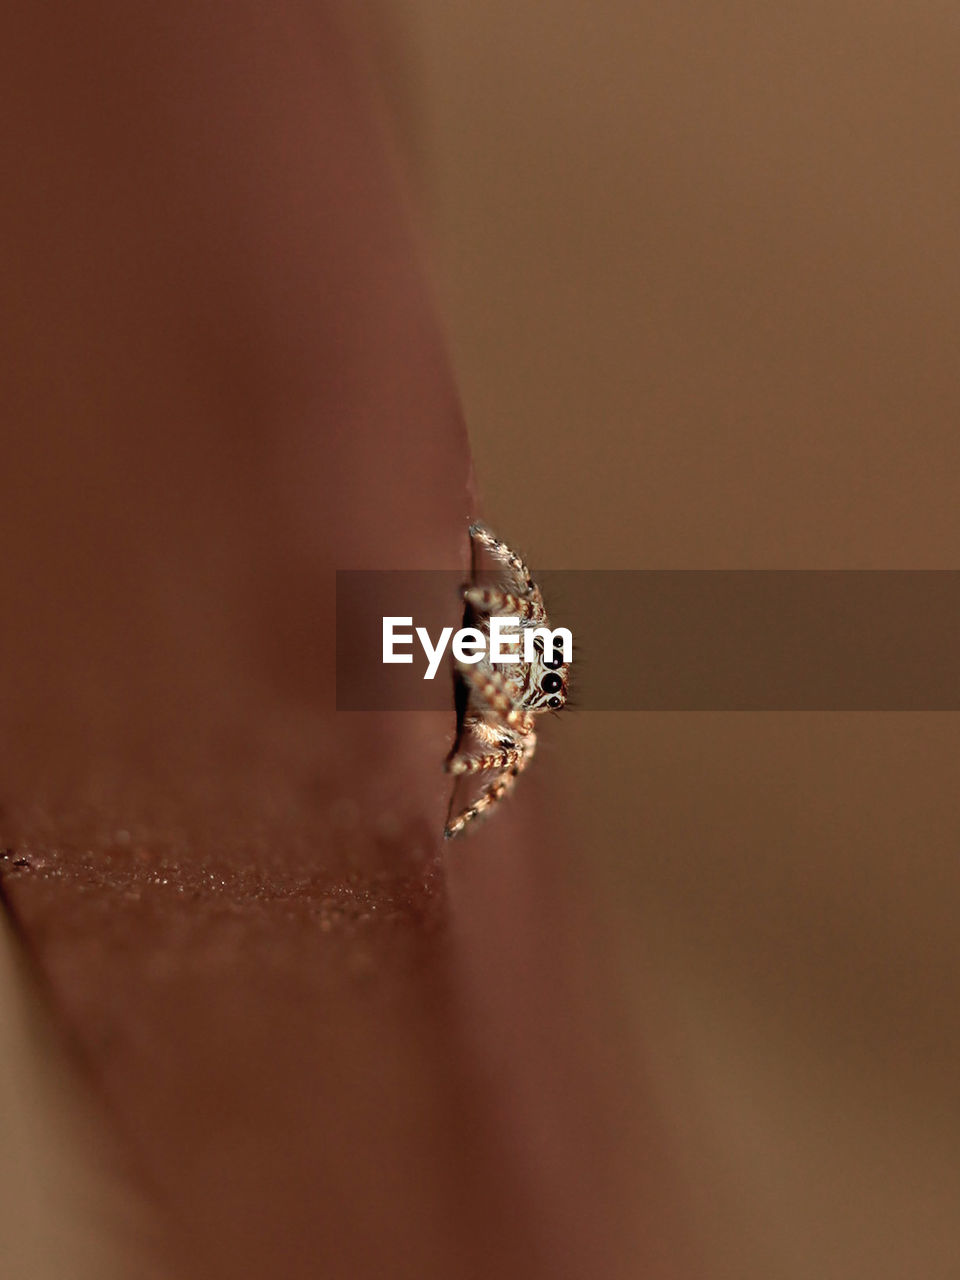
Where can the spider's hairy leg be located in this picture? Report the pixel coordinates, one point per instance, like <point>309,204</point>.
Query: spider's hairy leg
<point>500,552</point>
<point>493,792</point>
<point>505,758</point>
<point>490,600</point>
<point>491,795</point>
<point>491,689</point>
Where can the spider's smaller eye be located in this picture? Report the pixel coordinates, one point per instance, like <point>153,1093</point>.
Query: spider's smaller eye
<point>551,683</point>
<point>555,661</point>
<point>555,703</point>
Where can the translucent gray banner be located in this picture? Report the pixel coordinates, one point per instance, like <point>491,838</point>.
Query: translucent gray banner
<point>684,640</point>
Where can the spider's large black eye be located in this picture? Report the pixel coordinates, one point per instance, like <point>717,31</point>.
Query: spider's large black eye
<point>555,703</point>
<point>555,661</point>
<point>551,683</point>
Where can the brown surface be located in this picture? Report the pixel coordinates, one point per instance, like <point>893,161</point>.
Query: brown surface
<point>702,261</point>
<point>227,382</point>
<point>69,1204</point>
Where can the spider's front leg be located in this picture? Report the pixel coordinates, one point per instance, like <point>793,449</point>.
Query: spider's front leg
<point>499,551</point>
<point>495,790</point>
<point>492,793</point>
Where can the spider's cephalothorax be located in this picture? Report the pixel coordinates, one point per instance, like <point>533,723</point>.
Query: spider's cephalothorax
<point>498,736</point>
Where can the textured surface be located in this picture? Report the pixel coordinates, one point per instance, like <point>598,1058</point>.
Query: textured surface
<point>227,382</point>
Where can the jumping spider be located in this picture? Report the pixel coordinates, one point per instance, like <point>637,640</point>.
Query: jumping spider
<point>497,732</point>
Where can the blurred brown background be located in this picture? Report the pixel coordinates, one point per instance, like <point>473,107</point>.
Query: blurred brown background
<point>699,271</point>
